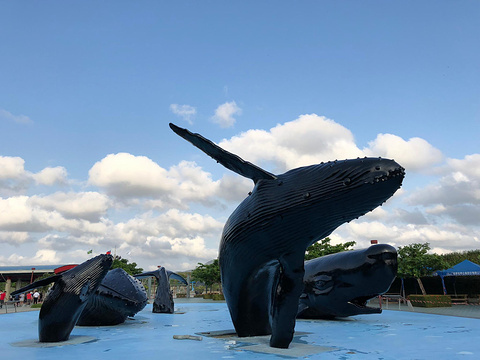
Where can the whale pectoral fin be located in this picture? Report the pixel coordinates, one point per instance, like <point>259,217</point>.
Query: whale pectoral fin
<point>285,303</point>
<point>84,292</point>
<point>227,159</point>
<point>37,284</point>
<point>175,276</point>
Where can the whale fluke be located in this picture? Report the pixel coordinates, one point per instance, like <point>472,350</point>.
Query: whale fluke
<point>230,161</point>
<point>163,302</point>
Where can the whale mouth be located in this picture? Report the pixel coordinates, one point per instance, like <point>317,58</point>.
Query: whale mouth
<point>361,303</point>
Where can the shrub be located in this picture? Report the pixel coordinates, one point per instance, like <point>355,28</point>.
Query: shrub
<point>36,306</point>
<point>430,300</point>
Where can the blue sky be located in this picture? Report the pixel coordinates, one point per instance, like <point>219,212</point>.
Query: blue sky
<point>80,81</point>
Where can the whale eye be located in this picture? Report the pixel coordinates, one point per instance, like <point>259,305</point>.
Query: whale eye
<point>377,167</point>
<point>347,181</point>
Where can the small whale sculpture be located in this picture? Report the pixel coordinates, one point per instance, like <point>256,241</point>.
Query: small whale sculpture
<point>264,240</point>
<point>339,285</point>
<point>67,298</point>
<point>163,302</point>
<point>118,296</point>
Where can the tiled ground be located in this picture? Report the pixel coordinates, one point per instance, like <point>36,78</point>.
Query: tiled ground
<point>391,335</point>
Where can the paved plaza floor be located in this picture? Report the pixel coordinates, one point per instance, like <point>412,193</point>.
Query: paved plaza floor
<point>391,335</point>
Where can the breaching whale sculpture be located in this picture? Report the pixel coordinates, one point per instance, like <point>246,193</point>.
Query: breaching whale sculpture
<point>67,298</point>
<point>118,296</point>
<point>264,240</point>
<point>163,302</point>
<point>339,285</point>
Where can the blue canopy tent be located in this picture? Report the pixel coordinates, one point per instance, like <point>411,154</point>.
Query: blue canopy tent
<point>465,268</point>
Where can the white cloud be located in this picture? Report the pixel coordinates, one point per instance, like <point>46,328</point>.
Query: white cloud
<point>90,206</point>
<point>51,176</point>
<point>170,224</point>
<point>15,180</point>
<point>14,237</point>
<point>37,215</point>
<point>468,167</point>
<point>20,119</point>
<point>307,140</point>
<point>174,216</point>
<point>11,167</point>
<point>416,154</point>
<point>311,139</point>
<point>456,195</point>
<point>41,257</point>
<point>186,112</point>
<point>224,114</point>
<point>126,175</point>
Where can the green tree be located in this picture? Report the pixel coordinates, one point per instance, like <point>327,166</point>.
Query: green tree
<point>454,258</point>
<point>414,261</point>
<point>208,274</point>
<point>130,268</point>
<point>323,247</point>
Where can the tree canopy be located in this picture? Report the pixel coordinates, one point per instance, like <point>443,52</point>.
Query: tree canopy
<point>323,247</point>
<point>130,268</point>
<point>414,261</point>
<point>208,274</point>
<point>454,258</point>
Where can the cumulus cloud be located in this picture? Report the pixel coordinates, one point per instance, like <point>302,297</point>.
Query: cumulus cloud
<point>415,154</point>
<point>14,179</point>
<point>311,139</point>
<point>20,119</point>
<point>25,214</point>
<point>447,236</point>
<point>11,167</point>
<point>174,236</point>
<point>171,224</point>
<point>186,112</point>
<point>126,175</point>
<point>51,176</point>
<point>174,216</point>
<point>307,140</point>
<point>224,114</point>
<point>41,257</point>
<point>90,206</point>
<point>14,237</point>
<point>456,195</point>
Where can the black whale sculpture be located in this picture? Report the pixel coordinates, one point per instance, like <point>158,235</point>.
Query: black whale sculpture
<point>118,296</point>
<point>264,240</point>
<point>339,285</point>
<point>67,298</point>
<point>163,302</point>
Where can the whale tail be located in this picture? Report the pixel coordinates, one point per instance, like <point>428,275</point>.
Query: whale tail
<point>230,161</point>
<point>156,274</point>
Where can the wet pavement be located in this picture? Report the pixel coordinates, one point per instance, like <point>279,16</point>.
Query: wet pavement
<point>391,335</point>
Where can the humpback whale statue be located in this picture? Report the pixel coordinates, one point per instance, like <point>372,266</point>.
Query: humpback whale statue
<point>339,285</point>
<point>118,296</point>
<point>264,240</point>
<point>67,298</point>
<point>163,302</point>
